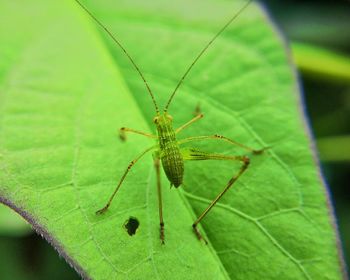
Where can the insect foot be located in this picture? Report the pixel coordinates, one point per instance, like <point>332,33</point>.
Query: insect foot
<point>101,211</point>
<point>162,233</point>
<point>197,111</point>
<point>122,134</point>
<point>258,152</point>
<point>198,234</point>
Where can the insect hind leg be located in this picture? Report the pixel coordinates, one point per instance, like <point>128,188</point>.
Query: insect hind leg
<point>156,161</point>
<point>221,138</point>
<point>193,154</point>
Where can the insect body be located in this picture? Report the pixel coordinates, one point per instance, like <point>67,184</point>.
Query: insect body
<point>168,151</point>
<point>170,155</point>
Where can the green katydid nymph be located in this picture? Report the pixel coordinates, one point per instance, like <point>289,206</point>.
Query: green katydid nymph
<point>168,152</point>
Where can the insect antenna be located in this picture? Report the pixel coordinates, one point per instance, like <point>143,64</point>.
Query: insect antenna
<point>203,51</point>
<point>123,49</point>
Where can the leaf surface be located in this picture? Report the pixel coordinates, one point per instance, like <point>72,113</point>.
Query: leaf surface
<point>66,90</point>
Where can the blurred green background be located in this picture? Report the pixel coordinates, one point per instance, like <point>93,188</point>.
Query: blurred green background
<point>318,33</point>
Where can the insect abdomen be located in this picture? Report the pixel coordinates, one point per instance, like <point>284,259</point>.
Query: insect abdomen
<point>173,164</point>
<point>170,156</point>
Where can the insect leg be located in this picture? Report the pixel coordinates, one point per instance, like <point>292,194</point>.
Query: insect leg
<point>197,110</point>
<point>104,209</point>
<point>193,154</point>
<point>220,137</point>
<point>196,118</point>
<point>123,130</point>
<point>159,191</point>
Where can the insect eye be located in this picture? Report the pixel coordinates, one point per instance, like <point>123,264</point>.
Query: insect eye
<point>170,117</point>
<point>155,120</point>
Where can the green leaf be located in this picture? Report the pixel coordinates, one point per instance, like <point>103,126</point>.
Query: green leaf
<point>66,90</point>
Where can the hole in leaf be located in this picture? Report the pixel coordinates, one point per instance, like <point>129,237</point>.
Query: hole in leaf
<point>131,225</point>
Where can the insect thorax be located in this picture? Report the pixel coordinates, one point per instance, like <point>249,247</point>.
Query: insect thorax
<point>170,154</point>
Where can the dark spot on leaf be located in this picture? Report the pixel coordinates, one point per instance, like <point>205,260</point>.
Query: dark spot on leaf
<point>131,225</point>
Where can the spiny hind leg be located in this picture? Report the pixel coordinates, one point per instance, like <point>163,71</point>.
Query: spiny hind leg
<point>221,138</point>
<point>193,154</point>
<point>131,164</point>
<point>156,161</point>
<point>123,130</point>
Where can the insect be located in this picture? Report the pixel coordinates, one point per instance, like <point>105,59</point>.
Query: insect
<point>168,152</point>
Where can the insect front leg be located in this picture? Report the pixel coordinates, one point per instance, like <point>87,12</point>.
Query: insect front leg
<point>123,130</point>
<point>193,154</point>
<point>131,164</point>
<point>196,118</point>
<point>156,161</point>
